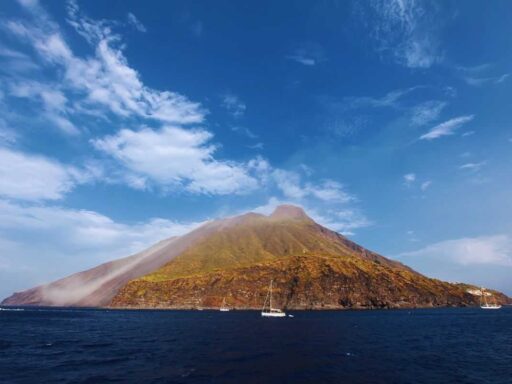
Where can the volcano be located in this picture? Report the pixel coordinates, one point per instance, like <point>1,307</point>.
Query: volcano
<point>235,258</point>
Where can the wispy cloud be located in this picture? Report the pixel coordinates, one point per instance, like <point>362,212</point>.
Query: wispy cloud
<point>446,128</point>
<point>256,146</point>
<point>54,103</point>
<point>104,80</point>
<point>7,135</point>
<point>308,54</point>
<point>480,75</point>
<point>390,99</point>
<point>292,186</point>
<point>245,131</point>
<point>135,22</point>
<point>233,105</point>
<point>468,133</point>
<point>16,62</point>
<point>427,112</point>
<point>473,166</point>
<point>409,178</point>
<point>425,185</point>
<point>304,60</point>
<point>344,220</point>
<point>406,29</point>
<point>479,81</point>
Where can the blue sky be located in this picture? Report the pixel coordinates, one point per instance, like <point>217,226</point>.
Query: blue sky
<point>123,123</point>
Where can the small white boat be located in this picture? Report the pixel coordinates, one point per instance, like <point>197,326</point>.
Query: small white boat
<point>484,304</point>
<point>270,311</point>
<point>224,307</point>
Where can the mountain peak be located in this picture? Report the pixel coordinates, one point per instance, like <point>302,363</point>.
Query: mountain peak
<point>287,211</point>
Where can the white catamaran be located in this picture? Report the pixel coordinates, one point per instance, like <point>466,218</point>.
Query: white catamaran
<point>271,312</point>
<point>484,304</point>
<point>224,307</point>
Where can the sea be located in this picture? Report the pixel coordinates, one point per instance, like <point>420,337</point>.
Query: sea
<point>63,345</point>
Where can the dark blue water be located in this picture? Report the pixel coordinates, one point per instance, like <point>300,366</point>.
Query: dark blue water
<point>92,346</point>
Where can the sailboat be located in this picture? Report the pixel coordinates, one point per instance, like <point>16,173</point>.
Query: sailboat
<point>224,307</point>
<point>484,304</point>
<point>271,312</point>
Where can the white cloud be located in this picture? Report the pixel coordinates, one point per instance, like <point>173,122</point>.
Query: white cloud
<point>344,220</point>
<point>256,146</point>
<point>16,62</point>
<point>478,75</point>
<point>479,81</point>
<point>289,183</point>
<point>425,185</point>
<point>473,166</point>
<point>427,112</point>
<point>7,135</point>
<point>10,53</point>
<point>175,157</point>
<point>446,128</point>
<point>468,133</point>
<point>491,250</point>
<point>133,21</point>
<point>390,99</point>
<point>30,177</point>
<point>308,54</point>
<point>233,105</point>
<point>53,101</point>
<point>304,60</point>
<point>245,131</point>
<point>409,178</point>
<point>404,28</point>
<point>292,187</point>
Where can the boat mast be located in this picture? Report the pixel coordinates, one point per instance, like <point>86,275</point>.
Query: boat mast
<point>265,303</point>
<point>271,295</point>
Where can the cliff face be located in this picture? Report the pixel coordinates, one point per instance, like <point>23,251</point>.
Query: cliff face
<point>300,282</point>
<point>235,258</point>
